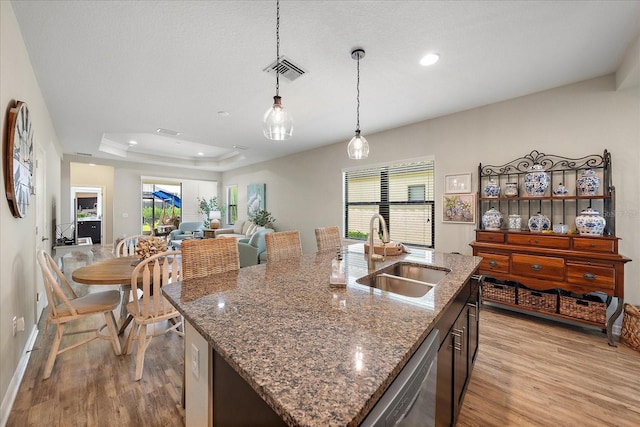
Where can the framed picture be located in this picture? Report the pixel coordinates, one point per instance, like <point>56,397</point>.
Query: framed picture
<point>255,198</point>
<point>457,183</point>
<point>460,208</point>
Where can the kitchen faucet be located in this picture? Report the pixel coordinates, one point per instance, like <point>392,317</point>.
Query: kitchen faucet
<point>385,239</point>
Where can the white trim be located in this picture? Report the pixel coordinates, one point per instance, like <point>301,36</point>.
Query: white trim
<point>390,163</point>
<point>14,385</point>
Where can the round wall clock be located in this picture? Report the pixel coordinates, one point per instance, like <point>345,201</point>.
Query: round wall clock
<point>19,160</point>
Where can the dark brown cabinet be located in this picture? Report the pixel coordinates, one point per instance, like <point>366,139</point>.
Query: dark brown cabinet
<point>91,229</point>
<point>458,350</point>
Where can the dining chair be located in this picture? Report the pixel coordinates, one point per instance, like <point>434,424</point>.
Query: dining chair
<point>328,238</point>
<point>124,248</point>
<point>65,306</point>
<point>283,245</point>
<point>150,306</point>
<point>202,257</point>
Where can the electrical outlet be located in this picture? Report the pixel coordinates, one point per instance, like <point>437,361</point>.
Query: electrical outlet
<point>15,325</point>
<point>195,361</point>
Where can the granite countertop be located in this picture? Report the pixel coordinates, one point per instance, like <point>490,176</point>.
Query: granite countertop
<point>317,355</point>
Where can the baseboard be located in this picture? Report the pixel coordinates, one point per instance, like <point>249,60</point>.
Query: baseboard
<point>14,385</point>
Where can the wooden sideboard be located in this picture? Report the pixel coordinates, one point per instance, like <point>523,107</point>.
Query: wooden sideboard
<point>561,275</point>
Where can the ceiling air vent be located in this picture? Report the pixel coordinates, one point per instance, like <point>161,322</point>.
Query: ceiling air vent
<point>287,69</point>
<point>84,154</point>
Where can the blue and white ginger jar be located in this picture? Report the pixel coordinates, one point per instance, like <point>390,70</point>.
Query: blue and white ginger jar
<point>536,181</point>
<point>588,183</point>
<point>492,189</point>
<point>560,190</point>
<point>590,223</point>
<point>492,219</point>
<point>539,222</point>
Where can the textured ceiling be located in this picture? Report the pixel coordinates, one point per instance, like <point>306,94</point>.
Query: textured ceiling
<point>112,71</point>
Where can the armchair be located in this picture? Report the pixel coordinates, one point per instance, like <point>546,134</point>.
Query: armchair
<point>185,230</point>
<point>253,251</point>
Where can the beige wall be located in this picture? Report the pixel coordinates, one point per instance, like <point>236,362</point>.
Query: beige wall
<point>85,175</point>
<point>304,191</point>
<point>18,267</point>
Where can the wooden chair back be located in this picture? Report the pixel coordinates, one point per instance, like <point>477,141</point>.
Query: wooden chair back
<point>127,246</point>
<point>283,245</point>
<point>202,257</point>
<point>149,276</point>
<point>59,301</point>
<point>328,238</point>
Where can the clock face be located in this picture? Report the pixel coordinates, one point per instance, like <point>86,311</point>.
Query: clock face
<point>19,160</point>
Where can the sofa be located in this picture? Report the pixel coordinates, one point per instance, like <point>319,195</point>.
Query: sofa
<point>185,230</point>
<point>242,229</point>
<point>253,251</point>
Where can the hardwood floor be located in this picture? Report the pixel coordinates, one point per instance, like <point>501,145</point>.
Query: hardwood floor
<point>529,372</point>
<point>533,372</point>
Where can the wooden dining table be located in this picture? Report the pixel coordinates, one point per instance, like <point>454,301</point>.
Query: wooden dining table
<point>112,271</point>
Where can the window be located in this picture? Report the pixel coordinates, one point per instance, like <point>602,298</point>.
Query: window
<point>232,204</point>
<point>161,205</point>
<point>403,194</point>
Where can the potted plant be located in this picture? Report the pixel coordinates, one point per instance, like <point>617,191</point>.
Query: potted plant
<point>262,218</point>
<point>205,206</point>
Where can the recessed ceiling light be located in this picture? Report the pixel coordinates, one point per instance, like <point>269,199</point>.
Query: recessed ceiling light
<point>200,153</point>
<point>223,113</point>
<point>168,132</point>
<point>92,164</point>
<point>429,59</point>
<point>132,142</point>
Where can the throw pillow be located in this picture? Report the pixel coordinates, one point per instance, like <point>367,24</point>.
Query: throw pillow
<point>245,227</point>
<point>252,229</point>
<point>237,227</point>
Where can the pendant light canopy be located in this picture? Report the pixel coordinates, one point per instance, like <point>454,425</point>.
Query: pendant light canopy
<point>277,123</point>
<point>358,147</point>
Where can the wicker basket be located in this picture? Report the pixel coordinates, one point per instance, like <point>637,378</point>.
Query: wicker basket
<point>539,301</point>
<point>630,334</point>
<point>593,311</point>
<point>498,292</point>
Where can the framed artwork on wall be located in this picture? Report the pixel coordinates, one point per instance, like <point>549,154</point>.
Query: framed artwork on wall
<point>460,208</point>
<point>255,198</point>
<point>457,183</point>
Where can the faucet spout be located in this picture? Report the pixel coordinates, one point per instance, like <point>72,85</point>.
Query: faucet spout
<point>371,265</point>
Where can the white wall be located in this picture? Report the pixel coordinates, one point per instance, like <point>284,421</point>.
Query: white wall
<point>18,266</point>
<point>304,191</point>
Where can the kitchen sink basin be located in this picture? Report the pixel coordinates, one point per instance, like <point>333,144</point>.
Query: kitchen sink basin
<point>405,279</point>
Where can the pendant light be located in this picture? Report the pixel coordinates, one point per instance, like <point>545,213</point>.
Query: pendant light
<point>358,147</point>
<point>278,123</point>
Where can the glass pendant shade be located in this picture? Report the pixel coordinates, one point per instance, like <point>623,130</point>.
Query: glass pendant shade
<point>278,123</point>
<point>358,147</point>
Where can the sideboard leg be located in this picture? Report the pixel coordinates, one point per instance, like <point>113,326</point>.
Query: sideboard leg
<point>612,319</point>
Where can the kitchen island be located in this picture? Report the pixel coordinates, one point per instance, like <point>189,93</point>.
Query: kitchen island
<point>315,355</point>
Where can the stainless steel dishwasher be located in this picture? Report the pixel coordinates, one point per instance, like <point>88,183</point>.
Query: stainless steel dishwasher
<point>411,399</point>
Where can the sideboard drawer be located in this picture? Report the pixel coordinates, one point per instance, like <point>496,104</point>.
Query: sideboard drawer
<point>594,245</point>
<point>494,262</point>
<point>542,267</point>
<point>486,236</point>
<point>539,241</point>
<point>593,275</point>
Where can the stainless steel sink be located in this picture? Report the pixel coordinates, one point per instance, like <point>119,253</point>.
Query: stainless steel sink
<point>406,279</point>
<point>416,272</point>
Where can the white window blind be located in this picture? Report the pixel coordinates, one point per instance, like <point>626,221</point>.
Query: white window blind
<point>403,194</point>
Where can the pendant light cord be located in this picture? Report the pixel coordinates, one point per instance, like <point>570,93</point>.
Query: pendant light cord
<point>277,48</point>
<point>358,97</point>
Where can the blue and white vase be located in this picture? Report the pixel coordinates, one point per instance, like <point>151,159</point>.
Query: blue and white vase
<point>538,223</point>
<point>536,181</point>
<point>590,223</point>
<point>560,190</point>
<point>492,219</point>
<point>588,183</point>
<point>492,189</point>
